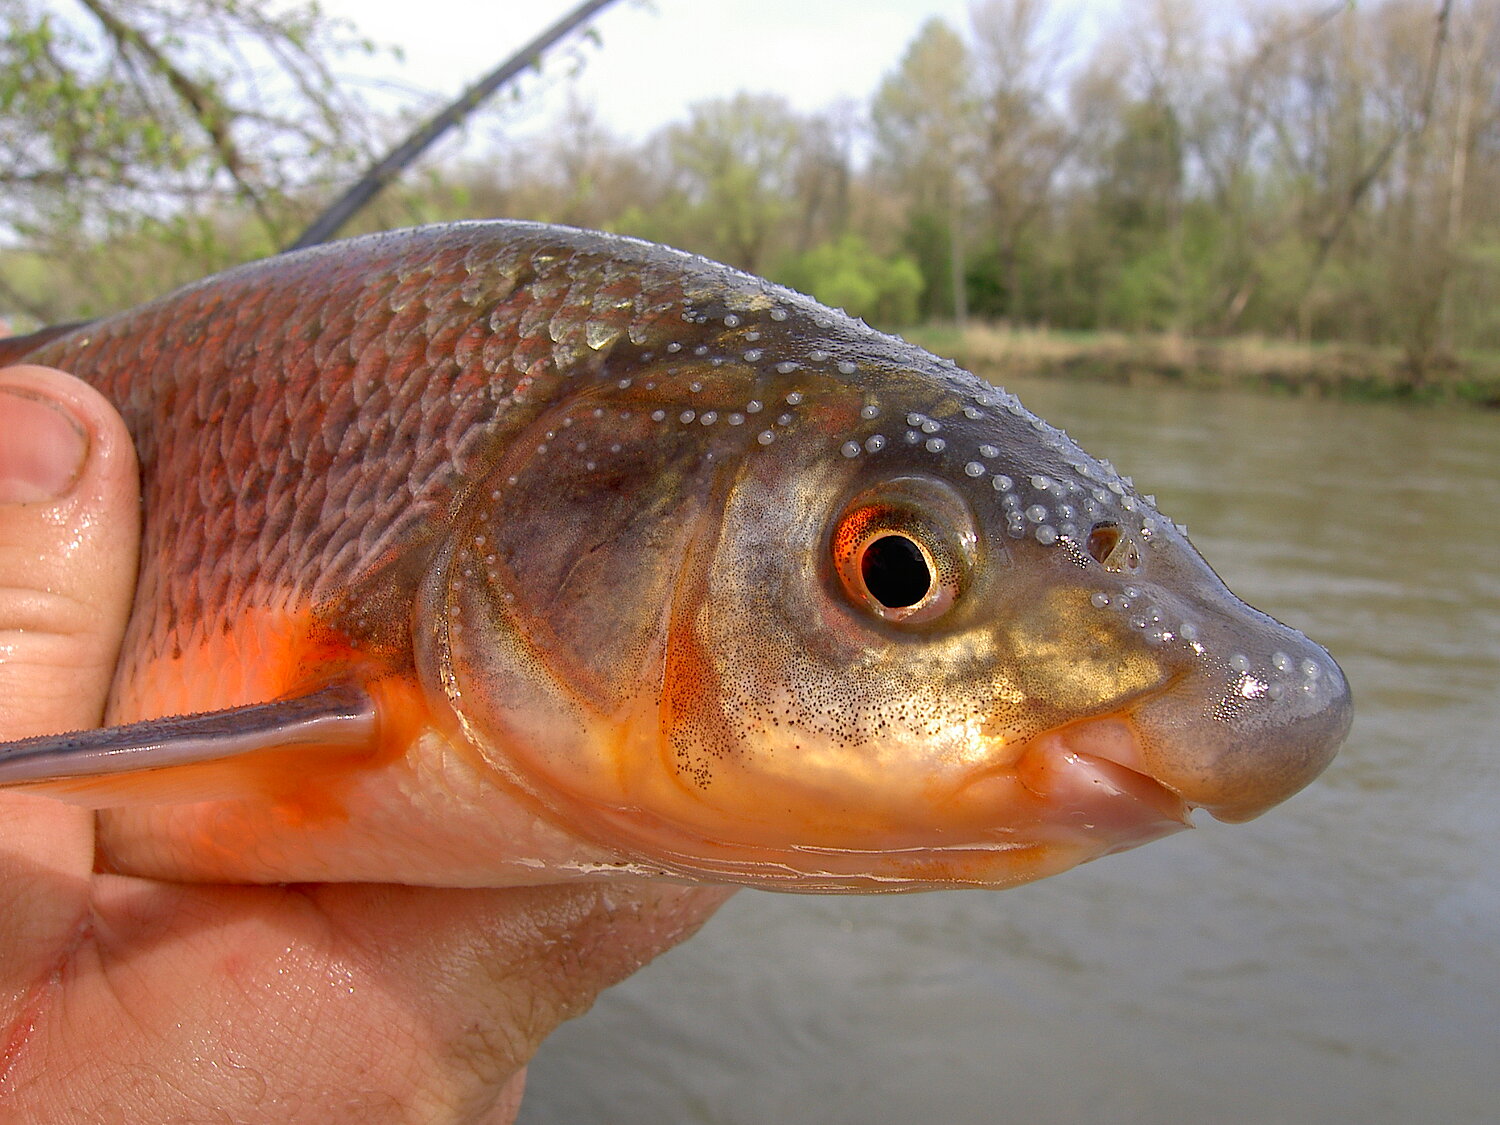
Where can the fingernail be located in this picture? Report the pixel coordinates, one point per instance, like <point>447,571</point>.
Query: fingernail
<point>42,448</point>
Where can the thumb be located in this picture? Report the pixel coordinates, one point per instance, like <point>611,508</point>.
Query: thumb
<point>69,534</point>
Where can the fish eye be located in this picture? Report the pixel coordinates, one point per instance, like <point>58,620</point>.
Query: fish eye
<point>902,551</point>
<point>1113,549</point>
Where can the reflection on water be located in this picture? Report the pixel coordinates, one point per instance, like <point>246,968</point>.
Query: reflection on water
<point>1338,960</point>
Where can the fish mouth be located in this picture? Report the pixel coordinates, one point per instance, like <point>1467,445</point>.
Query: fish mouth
<point>1091,776</point>
<point>1071,794</point>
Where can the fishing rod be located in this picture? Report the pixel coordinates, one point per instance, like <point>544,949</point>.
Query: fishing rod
<point>332,220</point>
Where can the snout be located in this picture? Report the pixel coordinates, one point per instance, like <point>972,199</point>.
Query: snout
<point>1243,730</point>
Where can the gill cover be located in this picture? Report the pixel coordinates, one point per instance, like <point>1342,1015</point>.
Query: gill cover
<point>546,619</point>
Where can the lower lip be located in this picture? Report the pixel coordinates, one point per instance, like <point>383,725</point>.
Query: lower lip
<point>1085,777</point>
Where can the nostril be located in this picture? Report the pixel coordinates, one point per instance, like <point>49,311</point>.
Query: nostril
<point>1102,541</point>
<point>1112,549</point>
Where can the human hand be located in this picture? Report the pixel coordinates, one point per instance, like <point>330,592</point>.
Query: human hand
<point>124,999</point>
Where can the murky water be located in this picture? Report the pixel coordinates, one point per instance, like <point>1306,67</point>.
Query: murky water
<point>1336,961</point>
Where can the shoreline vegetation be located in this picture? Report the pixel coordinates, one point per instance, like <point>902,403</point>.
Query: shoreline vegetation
<point>1347,371</point>
<point>1299,199</point>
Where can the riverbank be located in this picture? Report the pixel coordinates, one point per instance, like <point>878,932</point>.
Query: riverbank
<point>1328,370</point>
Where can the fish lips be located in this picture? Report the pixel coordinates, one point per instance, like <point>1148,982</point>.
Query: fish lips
<point>1196,743</point>
<point>1115,781</point>
<point>1092,772</point>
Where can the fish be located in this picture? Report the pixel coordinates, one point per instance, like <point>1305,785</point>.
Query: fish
<point>499,553</point>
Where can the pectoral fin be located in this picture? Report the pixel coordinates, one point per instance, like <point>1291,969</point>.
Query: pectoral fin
<point>217,754</point>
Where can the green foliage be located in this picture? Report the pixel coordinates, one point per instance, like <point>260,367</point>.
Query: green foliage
<point>848,274</point>
<point>734,162</point>
<point>1323,173</point>
<point>928,244</point>
<point>160,118</point>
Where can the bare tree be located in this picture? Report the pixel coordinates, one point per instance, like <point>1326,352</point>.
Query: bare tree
<point>925,140</point>
<point>1025,141</point>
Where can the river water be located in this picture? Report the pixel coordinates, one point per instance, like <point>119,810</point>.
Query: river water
<point>1336,961</point>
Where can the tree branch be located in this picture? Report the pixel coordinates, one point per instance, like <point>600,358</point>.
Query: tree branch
<point>204,104</point>
<point>328,224</point>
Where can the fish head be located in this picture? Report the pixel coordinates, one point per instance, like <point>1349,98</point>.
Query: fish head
<point>784,601</point>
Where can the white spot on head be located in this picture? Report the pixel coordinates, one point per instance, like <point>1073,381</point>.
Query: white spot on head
<point>974,469</point>
<point>794,398</point>
<point>875,443</point>
<point>765,437</point>
<point>850,449</point>
<point>870,411</point>
<point>1046,535</point>
<point>936,445</point>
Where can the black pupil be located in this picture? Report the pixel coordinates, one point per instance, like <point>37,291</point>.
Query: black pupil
<point>895,572</point>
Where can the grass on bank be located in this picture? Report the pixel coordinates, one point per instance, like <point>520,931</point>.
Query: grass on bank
<point>1333,370</point>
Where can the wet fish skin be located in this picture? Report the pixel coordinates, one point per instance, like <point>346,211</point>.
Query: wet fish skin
<point>570,507</point>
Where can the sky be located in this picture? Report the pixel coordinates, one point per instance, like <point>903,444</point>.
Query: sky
<point>656,59</point>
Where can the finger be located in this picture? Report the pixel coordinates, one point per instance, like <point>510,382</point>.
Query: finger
<point>69,530</point>
<point>69,511</point>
